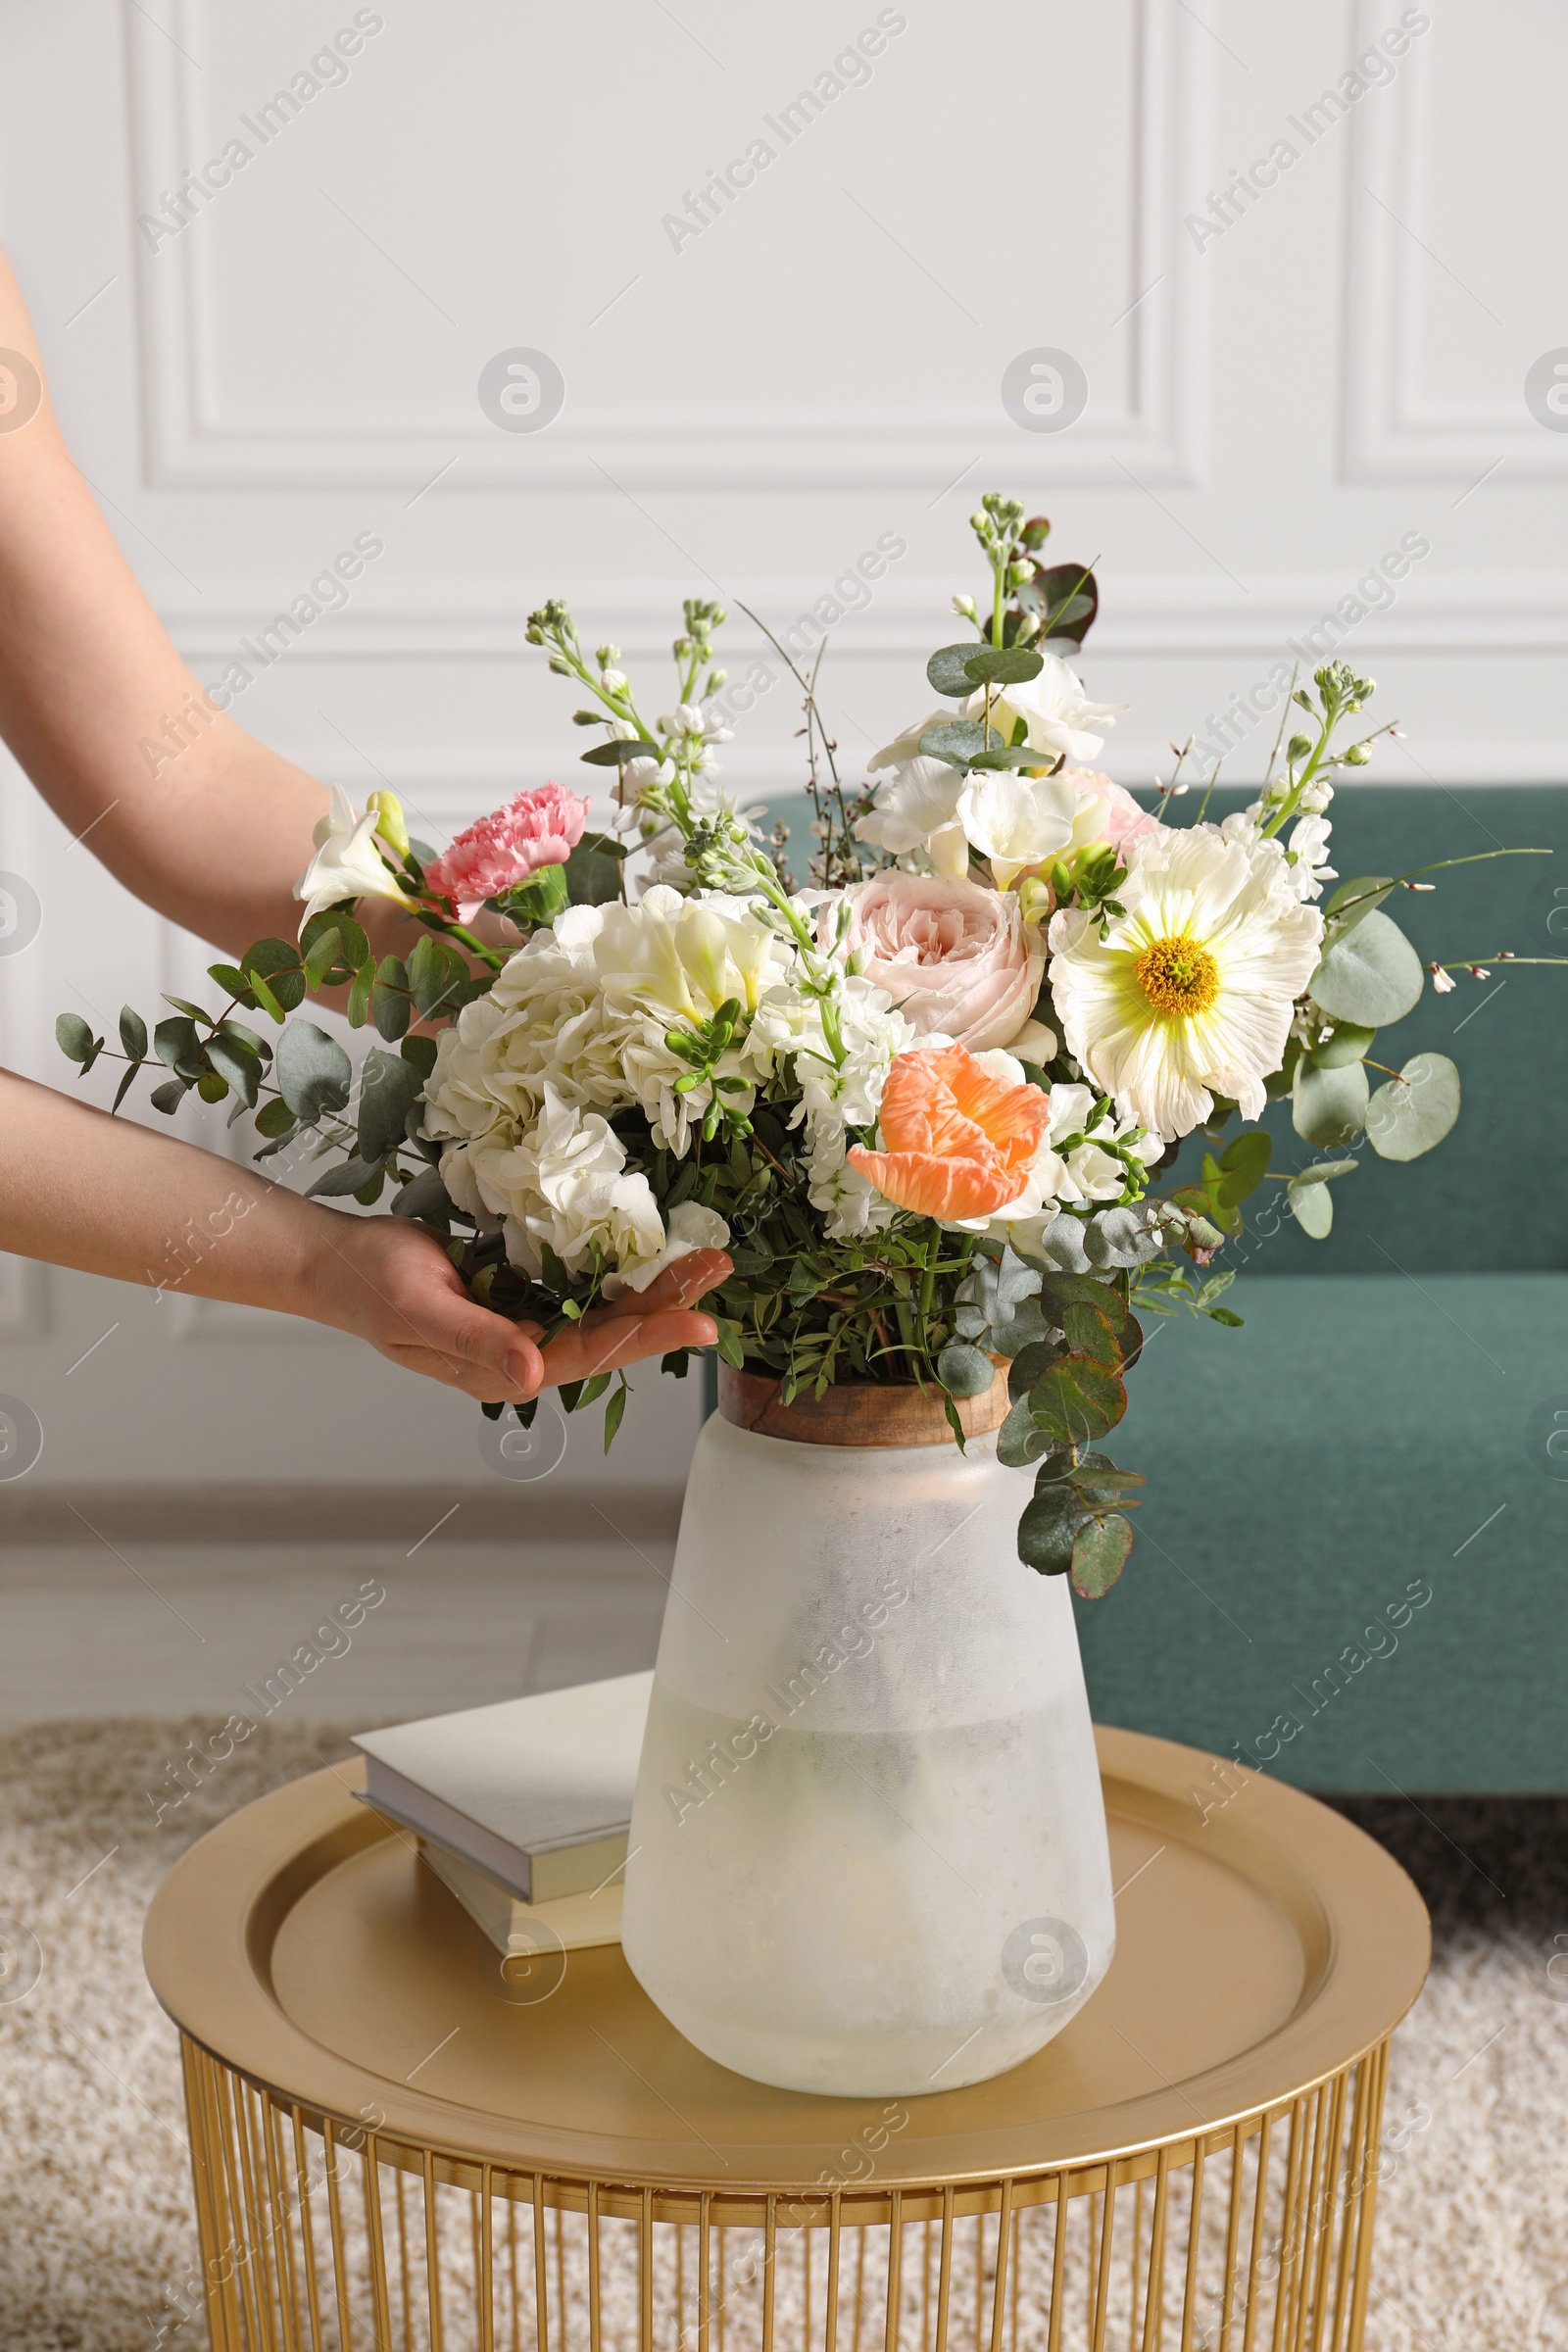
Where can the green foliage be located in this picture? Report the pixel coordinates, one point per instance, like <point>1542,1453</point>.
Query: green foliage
<point>539,900</point>
<point>275,976</point>
<point>960,741</point>
<point>964,1371</point>
<point>1355,899</point>
<point>617,753</point>
<point>391,1002</point>
<point>1348,1042</point>
<point>438,977</point>
<point>1098,1554</point>
<point>314,1073</point>
<point>1329,1105</point>
<point>389,1087</point>
<point>1077,1399</point>
<point>75,1039</point>
<point>1369,974</point>
<point>1001,665</point>
<point>1415,1110</point>
<point>594,871</point>
<point>1075,1524</point>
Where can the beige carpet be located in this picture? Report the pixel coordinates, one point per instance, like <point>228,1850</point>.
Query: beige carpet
<point>95,2233</point>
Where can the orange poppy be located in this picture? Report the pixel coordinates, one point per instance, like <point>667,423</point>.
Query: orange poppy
<point>957,1141</point>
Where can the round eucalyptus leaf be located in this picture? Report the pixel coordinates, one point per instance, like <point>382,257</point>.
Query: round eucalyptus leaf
<point>314,1076</point>
<point>1350,1041</point>
<point>1356,899</point>
<point>1328,1106</point>
<point>1415,1110</point>
<point>1047,1529</point>
<point>1313,1207</point>
<point>1001,665</point>
<point>1372,975</point>
<point>964,1371</point>
<point>949,672</point>
<point>1100,1554</point>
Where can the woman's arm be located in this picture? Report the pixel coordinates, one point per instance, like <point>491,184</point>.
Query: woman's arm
<point>83,1190</point>
<point>217,838</point>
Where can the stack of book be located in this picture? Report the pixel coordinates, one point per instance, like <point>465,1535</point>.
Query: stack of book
<point>523,1810</point>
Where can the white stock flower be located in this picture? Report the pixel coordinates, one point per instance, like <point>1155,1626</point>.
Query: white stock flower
<point>1191,993</point>
<point>849,1202</point>
<point>347,863</point>
<point>1053,708</point>
<point>1308,845</point>
<point>1016,820</point>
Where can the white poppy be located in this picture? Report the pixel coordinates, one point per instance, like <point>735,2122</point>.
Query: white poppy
<point>1190,994</point>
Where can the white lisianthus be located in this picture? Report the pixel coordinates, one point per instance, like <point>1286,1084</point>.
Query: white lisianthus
<point>917,808</point>
<point>1016,820</point>
<point>1053,708</point>
<point>347,863</point>
<point>1191,993</point>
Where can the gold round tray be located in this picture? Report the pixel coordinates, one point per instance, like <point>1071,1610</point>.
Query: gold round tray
<point>348,2026</point>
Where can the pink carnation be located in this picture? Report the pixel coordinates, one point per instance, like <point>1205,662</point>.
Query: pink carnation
<point>537,828</point>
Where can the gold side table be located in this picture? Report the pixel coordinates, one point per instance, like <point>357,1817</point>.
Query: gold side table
<point>402,2143</point>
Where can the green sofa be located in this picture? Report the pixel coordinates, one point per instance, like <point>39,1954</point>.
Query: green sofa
<point>1352,1559</point>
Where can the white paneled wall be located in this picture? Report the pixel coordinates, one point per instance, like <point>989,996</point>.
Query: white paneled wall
<point>781,260</point>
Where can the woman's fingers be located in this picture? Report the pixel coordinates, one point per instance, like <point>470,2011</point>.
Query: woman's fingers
<point>624,1339</point>
<point>699,1270</point>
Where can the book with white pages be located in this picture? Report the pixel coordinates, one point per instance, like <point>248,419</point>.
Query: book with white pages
<point>534,1793</point>
<point>572,1922</point>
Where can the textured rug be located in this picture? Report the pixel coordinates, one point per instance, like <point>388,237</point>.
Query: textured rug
<point>96,2236</point>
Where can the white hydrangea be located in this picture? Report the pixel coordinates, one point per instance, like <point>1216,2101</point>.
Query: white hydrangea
<point>565,1184</point>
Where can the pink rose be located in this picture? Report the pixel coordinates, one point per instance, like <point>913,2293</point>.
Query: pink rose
<point>537,828</point>
<point>955,958</point>
<point>1123,823</point>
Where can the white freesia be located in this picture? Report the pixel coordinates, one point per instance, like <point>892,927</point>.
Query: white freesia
<point>1190,994</point>
<point>1016,820</point>
<point>347,863</point>
<point>1053,708</point>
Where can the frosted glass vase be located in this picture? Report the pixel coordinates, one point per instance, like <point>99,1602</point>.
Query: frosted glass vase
<point>868,1848</point>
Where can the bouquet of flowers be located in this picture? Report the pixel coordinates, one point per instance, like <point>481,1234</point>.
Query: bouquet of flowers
<point>921,1099</point>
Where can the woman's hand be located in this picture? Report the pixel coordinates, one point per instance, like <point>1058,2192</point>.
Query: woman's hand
<point>391,1282</point>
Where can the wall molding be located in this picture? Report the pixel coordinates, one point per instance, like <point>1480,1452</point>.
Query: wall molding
<point>1395,428</point>
<point>189,443</point>
<point>1178,615</point>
